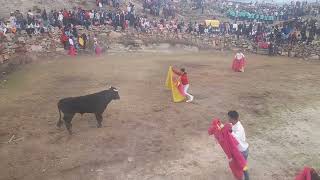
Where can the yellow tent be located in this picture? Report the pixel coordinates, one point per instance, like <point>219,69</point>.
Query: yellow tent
<point>170,84</point>
<point>213,23</point>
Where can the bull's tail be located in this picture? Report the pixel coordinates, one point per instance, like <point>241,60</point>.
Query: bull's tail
<point>59,123</point>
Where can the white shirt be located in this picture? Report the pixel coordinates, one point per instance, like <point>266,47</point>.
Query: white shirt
<point>91,15</point>
<point>239,56</point>
<point>98,16</point>
<point>235,26</point>
<point>13,21</point>
<point>60,17</point>
<point>71,42</point>
<point>240,135</point>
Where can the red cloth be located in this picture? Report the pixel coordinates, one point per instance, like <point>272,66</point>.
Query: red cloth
<point>98,50</point>
<point>263,45</point>
<point>126,24</point>
<point>183,77</point>
<point>259,38</point>
<point>229,144</point>
<point>65,14</point>
<point>72,51</point>
<point>63,38</point>
<point>238,64</point>
<point>87,15</point>
<point>305,174</point>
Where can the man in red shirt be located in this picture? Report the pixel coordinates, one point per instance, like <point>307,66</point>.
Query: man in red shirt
<point>184,81</point>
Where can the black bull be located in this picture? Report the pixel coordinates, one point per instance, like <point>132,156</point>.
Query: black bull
<point>92,103</point>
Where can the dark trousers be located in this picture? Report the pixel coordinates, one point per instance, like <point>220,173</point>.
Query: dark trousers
<point>245,155</point>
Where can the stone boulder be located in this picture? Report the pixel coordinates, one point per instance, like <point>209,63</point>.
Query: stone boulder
<point>1,59</point>
<point>114,35</point>
<point>314,57</point>
<point>22,39</point>
<point>4,58</point>
<point>60,49</point>
<point>36,48</point>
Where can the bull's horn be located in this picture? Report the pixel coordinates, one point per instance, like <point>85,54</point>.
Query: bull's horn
<point>116,90</point>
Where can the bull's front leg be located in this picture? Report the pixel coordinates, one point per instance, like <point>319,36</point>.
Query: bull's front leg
<point>99,119</point>
<point>67,119</point>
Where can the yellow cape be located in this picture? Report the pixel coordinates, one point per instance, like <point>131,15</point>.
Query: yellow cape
<point>81,41</point>
<point>170,84</point>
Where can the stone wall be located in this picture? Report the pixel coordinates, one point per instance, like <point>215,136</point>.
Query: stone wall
<point>13,46</point>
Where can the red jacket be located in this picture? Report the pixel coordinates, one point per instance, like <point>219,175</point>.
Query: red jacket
<point>229,145</point>
<point>87,15</point>
<point>63,38</point>
<point>183,77</point>
<point>65,14</point>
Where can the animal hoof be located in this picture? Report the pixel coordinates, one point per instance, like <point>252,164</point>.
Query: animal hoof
<point>59,124</point>
<point>99,126</point>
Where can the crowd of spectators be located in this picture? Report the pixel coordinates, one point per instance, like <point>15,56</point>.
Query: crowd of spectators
<point>118,18</point>
<point>268,12</point>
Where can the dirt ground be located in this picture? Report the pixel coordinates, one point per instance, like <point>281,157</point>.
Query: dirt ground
<point>145,136</point>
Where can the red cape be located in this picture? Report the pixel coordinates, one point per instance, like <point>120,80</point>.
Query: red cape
<point>98,50</point>
<point>238,64</point>
<point>305,174</point>
<point>180,87</point>
<point>72,51</point>
<point>229,144</point>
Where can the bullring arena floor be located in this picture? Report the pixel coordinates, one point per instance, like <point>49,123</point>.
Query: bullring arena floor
<point>145,136</point>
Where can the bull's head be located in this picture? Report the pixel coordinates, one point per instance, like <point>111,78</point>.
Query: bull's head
<point>114,93</point>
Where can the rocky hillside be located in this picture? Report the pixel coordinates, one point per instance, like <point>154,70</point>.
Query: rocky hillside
<point>7,6</point>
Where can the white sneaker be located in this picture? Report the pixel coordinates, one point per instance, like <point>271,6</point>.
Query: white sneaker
<point>190,100</point>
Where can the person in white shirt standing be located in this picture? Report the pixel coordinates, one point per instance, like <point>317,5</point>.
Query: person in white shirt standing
<point>240,135</point>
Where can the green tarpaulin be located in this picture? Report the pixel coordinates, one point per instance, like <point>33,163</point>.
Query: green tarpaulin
<point>248,15</point>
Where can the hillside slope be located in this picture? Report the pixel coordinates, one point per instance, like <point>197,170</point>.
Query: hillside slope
<point>7,6</point>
